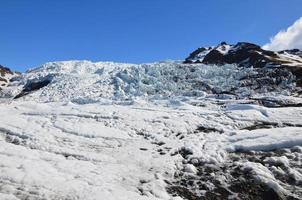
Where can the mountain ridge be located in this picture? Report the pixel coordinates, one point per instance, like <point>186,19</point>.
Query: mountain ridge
<point>246,54</point>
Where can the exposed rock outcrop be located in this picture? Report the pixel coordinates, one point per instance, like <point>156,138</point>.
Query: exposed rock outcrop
<point>5,75</point>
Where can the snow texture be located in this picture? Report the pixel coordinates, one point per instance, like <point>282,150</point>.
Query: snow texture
<point>119,131</point>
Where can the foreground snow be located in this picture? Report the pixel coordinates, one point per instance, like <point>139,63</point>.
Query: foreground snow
<point>66,150</point>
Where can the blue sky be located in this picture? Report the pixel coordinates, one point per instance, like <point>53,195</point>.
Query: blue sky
<point>34,31</point>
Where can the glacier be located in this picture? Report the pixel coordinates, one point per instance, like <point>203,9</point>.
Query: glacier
<point>146,131</point>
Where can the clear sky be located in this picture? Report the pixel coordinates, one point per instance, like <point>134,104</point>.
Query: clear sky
<point>36,31</point>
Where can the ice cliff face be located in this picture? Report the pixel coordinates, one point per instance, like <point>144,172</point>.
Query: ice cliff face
<point>84,81</point>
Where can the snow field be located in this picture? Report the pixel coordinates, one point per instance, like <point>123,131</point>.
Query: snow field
<point>122,131</point>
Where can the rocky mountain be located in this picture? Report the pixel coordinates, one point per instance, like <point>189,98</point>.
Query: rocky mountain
<point>246,54</point>
<point>5,75</point>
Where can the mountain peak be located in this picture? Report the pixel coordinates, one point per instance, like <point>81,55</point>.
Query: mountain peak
<point>245,54</point>
<point>225,53</point>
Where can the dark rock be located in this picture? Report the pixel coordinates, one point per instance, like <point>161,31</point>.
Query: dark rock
<point>3,80</point>
<point>247,54</point>
<point>207,129</point>
<point>296,52</point>
<point>32,86</point>
<point>4,71</point>
<point>276,103</point>
<point>214,57</point>
<point>184,152</point>
<point>195,53</point>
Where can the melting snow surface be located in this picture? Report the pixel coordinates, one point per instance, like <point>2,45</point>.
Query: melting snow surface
<point>105,130</point>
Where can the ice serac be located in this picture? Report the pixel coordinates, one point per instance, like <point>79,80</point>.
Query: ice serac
<point>86,82</point>
<point>249,55</point>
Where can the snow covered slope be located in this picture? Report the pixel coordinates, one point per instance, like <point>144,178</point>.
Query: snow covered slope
<point>86,82</point>
<point>84,130</point>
